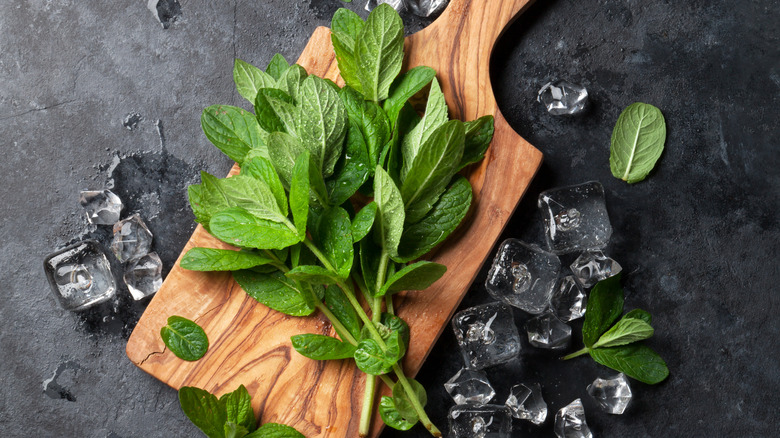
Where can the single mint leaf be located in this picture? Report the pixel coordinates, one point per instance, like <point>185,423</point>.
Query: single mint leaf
<point>438,224</point>
<point>313,274</point>
<point>319,191</point>
<point>479,133</point>
<point>371,120</point>
<point>639,314</point>
<point>253,195</point>
<point>206,199</point>
<point>184,338</point>
<point>396,346</point>
<point>392,157</point>
<point>275,110</point>
<point>204,411</point>
<point>404,88</point>
<point>283,150</point>
<point>321,123</point>
<point>277,67</point>
<point>299,193</point>
<point>392,417</point>
<point>369,263</point>
<point>238,407</point>
<point>351,170</point>
<point>370,358</point>
<point>211,259</point>
<point>364,220</point>
<point>276,291</point>
<point>605,304</point>
<point>291,81</point>
<point>334,237</point>
<point>274,430</point>
<point>626,331</point>
<point>238,227</point>
<point>321,347</point>
<point>434,117</point>
<point>432,170</point>
<point>637,142</point>
<point>402,399</point>
<point>635,360</point>
<point>340,306</point>
<point>249,79</point>
<point>234,131</point>
<point>344,47</point>
<point>380,49</point>
<point>262,169</point>
<point>347,22</point>
<point>417,276</point>
<point>396,324</point>
<point>389,223</point>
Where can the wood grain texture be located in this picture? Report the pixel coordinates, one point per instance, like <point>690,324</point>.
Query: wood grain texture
<point>250,344</point>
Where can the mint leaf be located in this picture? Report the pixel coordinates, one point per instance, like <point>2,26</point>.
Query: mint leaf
<point>334,237</point>
<point>277,67</point>
<point>206,199</point>
<point>371,120</point>
<point>238,227</point>
<point>299,193</point>
<point>184,338</point>
<point>605,304</point>
<point>380,49</point>
<point>291,81</point>
<point>320,347</point>
<point>370,358</point>
<point>392,417</point>
<point>434,117</point>
<point>639,314</point>
<point>347,22</point>
<point>313,274</point>
<point>406,86</point>
<point>401,398</point>
<point>275,111</point>
<point>233,430</point>
<point>351,170</point>
<point>344,47</point>
<point>253,195</point>
<point>418,276</point>
<point>204,411</point>
<point>364,220</point>
<point>339,305</point>
<point>321,123</point>
<point>626,331</point>
<point>238,409</point>
<point>396,324</point>
<point>636,360</point>
<point>234,131</point>
<point>276,291</point>
<point>210,259</point>
<point>389,223</point>
<point>249,79</point>
<point>273,430</point>
<point>637,142</point>
<point>283,150</point>
<point>479,133</point>
<point>369,264</point>
<point>262,169</point>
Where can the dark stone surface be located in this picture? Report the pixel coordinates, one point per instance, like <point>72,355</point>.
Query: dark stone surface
<point>698,240</point>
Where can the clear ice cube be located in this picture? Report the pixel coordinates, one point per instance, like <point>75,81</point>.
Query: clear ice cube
<point>144,276</point>
<point>480,421</point>
<point>593,266</point>
<point>612,394</point>
<point>132,239</point>
<point>80,275</point>
<point>470,386</point>
<point>523,275</point>
<point>547,331</point>
<point>563,98</point>
<point>526,403</point>
<point>568,299</point>
<point>575,218</point>
<point>487,335</point>
<point>103,206</point>
<point>570,421</point>
<point>398,5</point>
<point>426,8</point>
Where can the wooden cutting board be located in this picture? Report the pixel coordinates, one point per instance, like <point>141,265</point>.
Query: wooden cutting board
<point>250,344</point>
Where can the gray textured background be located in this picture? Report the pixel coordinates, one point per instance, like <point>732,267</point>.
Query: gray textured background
<point>698,240</point>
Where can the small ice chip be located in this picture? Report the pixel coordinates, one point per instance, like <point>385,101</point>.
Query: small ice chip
<point>144,276</point>
<point>487,335</point>
<point>132,239</point>
<point>80,275</point>
<point>102,206</point>
<point>575,218</point>
<point>526,403</point>
<point>398,5</point>
<point>426,8</point>
<point>593,266</point>
<point>475,421</point>
<point>612,394</point>
<point>563,98</point>
<point>568,301</point>
<point>470,386</point>
<point>547,331</point>
<point>570,421</point>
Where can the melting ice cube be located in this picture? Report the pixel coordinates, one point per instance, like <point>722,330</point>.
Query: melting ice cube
<point>103,206</point>
<point>398,5</point>
<point>470,386</point>
<point>575,218</point>
<point>132,239</point>
<point>526,403</point>
<point>563,98</point>
<point>475,421</point>
<point>547,331</point>
<point>80,275</point>
<point>426,8</point>
<point>570,421</point>
<point>487,335</point>
<point>144,276</point>
<point>568,300</point>
<point>593,266</point>
<point>612,394</point>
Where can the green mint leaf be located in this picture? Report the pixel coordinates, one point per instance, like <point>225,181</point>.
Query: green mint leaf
<point>210,259</point>
<point>364,220</point>
<point>184,338</point>
<point>275,111</point>
<point>371,120</point>
<point>418,276</point>
<point>369,263</point>
<point>389,223</point>
<point>291,81</point>
<point>283,150</point>
<point>274,430</point>
<point>380,50</point>
<point>438,224</point>
<point>249,79</point>
<point>605,304</point>
<point>347,22</point>
<point>321,123</point>
<point>319,191</point>
<point>401,398</point>
<point>238,407</point>
<point>234,131</point>
<point>351,170</point>
<point>203,201</point>
<point>344,47</point>
<point>299,193</point>
<point>636,361</point>
<point>434,117</point>
<point>396,347</point>
<point>204,411</point>
<point>392,417</point>
<point>391,156</point>
<point>233,430</point>
<point>253,195</point>
<point>404,88</point>
<point>277,67</point>
<point>320,347</point>
<point>639,314</point>
<point>432,169</point>
<point>626,331</point>
<point>313,274</point>
<point>396,324</point>
<point>370,358</point>
<point>276,291</point>
<point>238,227</point>
<point>334,237</point>
<point>479,133</point>
<point>262,169</point>
<point>340,306</point>
<point>637,142</point>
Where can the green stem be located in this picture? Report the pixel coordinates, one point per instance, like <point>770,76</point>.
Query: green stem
<point>389,304</point>
<point>368,405</point>
<point>418,407</point>
<point>576,353</point>
<point>278,264</point>
<point>337,324</point>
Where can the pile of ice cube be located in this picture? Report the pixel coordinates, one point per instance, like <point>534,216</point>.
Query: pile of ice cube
<point>81,276</point>
<point>530,278</point>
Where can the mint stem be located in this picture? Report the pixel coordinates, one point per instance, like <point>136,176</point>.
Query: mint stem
<point>576,353</point>
<point>418,407</point>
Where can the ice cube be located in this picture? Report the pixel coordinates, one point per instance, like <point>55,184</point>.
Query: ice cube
<point>487,335</point>
<point>144,276</point>
<point>526,403</point>
<point>103,206</point>
<point>398,5</point>
<point>612,394</point>
<point>80,275</point>
<point>593,266</point>
<point>568,299</point>
<point>523,275</point>
<point>426,8</point>
<point>132,240</point>
<point>575,218</point>
<point>563,98</point>
<point>470,386</point>
<point>570,421</point>
<point>165,11</point>
<point>475,421</point>
<point>547,331</point>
